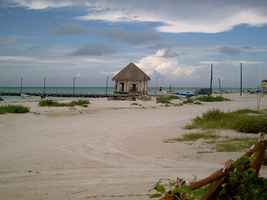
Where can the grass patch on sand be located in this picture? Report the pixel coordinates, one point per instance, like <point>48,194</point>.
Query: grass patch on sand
<point>211,98</point>
<point>217,142</point>
<point>13,109</point>
<point>235,145</point>
<point>194,136</point>
<point>248,121</point>
<point>165,99</point>
<point>52,103</point>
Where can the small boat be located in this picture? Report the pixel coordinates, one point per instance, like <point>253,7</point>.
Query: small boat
<point>185,94</point>
<point>24,95</point>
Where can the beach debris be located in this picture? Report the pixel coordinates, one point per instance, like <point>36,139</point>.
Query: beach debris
<point>236,180</point>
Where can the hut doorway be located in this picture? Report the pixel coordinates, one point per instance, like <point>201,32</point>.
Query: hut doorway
<point>134,88</point>
<point>122,87</point>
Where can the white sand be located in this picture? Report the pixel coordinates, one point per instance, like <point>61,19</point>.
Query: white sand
<point>110,148</point>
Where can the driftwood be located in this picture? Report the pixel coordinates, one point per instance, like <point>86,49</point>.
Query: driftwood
<point>216,179</point>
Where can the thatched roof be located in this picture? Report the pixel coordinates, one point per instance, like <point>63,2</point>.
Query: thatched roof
<point>131,73</point>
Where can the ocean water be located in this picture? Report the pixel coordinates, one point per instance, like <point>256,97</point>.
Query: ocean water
<point>58,90</point>
<point>92,90</point>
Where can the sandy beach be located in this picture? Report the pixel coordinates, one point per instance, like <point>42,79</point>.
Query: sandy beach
<point>110,150</point>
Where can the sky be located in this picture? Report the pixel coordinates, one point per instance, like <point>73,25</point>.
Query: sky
<point>173,41</point>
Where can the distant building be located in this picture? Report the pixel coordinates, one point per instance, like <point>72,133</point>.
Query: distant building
<point>131,80</point>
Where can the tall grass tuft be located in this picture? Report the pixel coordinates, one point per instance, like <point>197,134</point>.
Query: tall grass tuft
<point>52,103</point>
<point>165,99</point>
<point>13,109</point>
<point>211,98</point>
<point>248,121</point>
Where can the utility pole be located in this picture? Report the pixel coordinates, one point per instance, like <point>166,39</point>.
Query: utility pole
<point>211,78</point>
<point>21,80</point>
<point>241,79</point>
<point>220,84</point>
<point>107,85</point>
<point>44,88</point>
<point>73,86</point>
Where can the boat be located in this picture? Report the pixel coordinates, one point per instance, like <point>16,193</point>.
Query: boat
<point>184,94</point>
<point>24,95</point>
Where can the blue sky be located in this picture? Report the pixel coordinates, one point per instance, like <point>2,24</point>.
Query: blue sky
<point>174,41</point>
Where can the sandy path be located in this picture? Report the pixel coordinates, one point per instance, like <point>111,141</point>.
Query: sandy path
<point>111,150</point>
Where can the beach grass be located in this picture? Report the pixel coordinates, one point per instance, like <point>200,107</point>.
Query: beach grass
<point>248,121</point>
<point>235,145</point>
<point>194,136</point>
<point>52,103</point>
<point>211,98</point>
<point>165,99</point>
<point>13,109</point>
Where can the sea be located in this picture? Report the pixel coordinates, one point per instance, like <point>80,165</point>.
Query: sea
<point>94,90</point>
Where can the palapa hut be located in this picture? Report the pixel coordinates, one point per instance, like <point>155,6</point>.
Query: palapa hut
<point>131,80</point>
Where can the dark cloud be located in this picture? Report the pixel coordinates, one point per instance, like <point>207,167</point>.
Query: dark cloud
<point>69,29</point>
<point>175,16</point>
<point>94,50</point>
<point>118,34</point>
<point>230,50</point>
<point>130,36</point>
<point>7,40</point>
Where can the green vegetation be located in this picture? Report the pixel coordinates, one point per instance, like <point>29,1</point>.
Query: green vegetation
<point>248,121</point>
<point>242,183</point>
<point>235,145</point>
<point>165,99</point>
<point>194,136</point>
<point>52,103</point>
<point>211,98</point>
<point>13,109</point>
<point>221,144</point>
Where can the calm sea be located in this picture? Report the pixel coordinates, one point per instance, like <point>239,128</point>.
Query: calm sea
<point>87,90</point>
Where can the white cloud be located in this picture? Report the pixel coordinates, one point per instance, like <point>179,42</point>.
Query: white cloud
<point>175,16</point>
<point>165,63</point>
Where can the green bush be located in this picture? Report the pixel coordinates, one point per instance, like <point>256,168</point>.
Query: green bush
<point>248,121</point>
<point>13,109</point>
<point>165,99</point>
<point>211,98</point>
<point>52,103</point>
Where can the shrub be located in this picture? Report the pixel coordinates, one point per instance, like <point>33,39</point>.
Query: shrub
<point>52,103</point>
<point>13,109</point>
<point>212,98</point>
<point>248,121</point>
<point>165,99</point>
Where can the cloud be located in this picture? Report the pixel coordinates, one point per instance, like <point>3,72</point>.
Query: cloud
<point>165,63</point>
<point>69,29</point>
<point>174,16</point>
<point>231,50</point>
<point>94,50</point>
<point>7,40</point>
<point>63,60</point>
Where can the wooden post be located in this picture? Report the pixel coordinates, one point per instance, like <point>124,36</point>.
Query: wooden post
<point>107,85</point>
<point>211,78</point>
<point>44,88</point>
<point>73,86</point>
<point>241,79</point>
<point>21,80</point>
